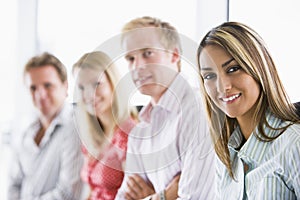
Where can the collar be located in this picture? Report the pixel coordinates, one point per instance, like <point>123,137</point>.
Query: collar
<point>62,117</point>
<point>254,149</point>
<point>170,101</point>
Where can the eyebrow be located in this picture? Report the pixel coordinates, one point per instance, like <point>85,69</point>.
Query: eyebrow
<point>135,50</point>
<point>223,65</point>
<point>227,62</point>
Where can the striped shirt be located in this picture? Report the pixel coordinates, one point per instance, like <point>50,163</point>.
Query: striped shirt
<point>273,167</point>
<point>173,138</point>
<point>50,171</point>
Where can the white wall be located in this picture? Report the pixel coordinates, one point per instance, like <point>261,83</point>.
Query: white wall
<point>71,28</point>
<point>277,21</point>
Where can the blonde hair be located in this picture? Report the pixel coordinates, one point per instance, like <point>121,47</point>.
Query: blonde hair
<point>169,36</point>
<point>249,50</point>
<point>89,126</point>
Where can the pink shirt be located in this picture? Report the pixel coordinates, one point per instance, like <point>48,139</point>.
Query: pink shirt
<point>105,174</point>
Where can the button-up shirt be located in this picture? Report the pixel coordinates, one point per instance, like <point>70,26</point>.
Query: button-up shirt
<point>263,170</point>
<point>173,138</point>
<point>50,170</point>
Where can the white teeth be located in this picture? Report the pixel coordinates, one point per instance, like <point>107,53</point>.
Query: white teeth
<point>231,98</point>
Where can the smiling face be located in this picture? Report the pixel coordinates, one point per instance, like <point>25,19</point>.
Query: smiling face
<point>227,84</point>
<point>96,91</point>
<point>48,92</point>
<point>153,68</point>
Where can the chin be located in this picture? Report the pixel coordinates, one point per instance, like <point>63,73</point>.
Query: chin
<point>147,89</point>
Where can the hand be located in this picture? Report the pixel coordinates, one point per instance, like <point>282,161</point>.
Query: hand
<point>171,191</point>
<point>138,188</point>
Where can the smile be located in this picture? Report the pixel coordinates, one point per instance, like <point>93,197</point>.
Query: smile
<point>231,98</point>
<point>142,80</point>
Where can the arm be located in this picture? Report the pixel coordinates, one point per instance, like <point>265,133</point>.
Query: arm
<point>198,176</point>
<point>170,193</point>
<point>138,188</point>
<point>198,161</point>
<point>14,179</point>
<point>294,162</point>
<point>134,172</point>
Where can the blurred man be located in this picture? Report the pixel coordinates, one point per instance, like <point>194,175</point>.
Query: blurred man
<point>47,160</point>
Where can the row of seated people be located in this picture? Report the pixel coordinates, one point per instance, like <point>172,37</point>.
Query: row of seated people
<point>209,143</point>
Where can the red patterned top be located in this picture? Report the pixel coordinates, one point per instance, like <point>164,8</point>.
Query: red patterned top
<point>105,175</point>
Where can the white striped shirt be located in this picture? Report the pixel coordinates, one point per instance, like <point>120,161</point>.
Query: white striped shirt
<point>50,171</point>
<point>274,167</point>
<point>173,138</point>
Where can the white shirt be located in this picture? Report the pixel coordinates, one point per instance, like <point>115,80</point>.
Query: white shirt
<point>51,170</point>
<point>173,138</point>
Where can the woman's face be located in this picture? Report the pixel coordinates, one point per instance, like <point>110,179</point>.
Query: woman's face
<point>227,84</point>
<point>96,91</point>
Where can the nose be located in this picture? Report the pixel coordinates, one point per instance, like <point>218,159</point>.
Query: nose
<point>138,63</point>
<point>223,83</point>
<point>40,93</point>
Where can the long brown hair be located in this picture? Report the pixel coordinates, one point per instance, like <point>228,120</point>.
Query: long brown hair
<point>249,50</point>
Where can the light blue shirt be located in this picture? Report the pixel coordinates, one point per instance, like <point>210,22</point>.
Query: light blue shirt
<point>273,167</point>
<point>50,171</point>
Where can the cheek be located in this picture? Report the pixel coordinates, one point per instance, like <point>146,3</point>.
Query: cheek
<point>210,89</point>
<point>103,92</point>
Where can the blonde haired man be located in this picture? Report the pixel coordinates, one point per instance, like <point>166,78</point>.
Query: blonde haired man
<point>172,137</point>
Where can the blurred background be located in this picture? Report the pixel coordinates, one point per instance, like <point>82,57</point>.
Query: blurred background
<point>70,28</point>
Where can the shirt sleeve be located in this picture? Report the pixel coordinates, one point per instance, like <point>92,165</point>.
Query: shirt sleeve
<point>14,178</point>
<point>294,163</point>
<point>197,180</point>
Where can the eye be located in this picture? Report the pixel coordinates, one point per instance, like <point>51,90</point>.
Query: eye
<point>208,76</point>
<point>47,85</point>
<point>147,53</point>
<point>233,69</point>
<point>32,88</point>
<point>129,59</point>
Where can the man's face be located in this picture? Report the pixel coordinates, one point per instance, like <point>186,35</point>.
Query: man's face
<point>48,92</point>
<point>153,68</point>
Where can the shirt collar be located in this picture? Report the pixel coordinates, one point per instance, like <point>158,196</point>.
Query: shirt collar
<point>254,149</point>
<point>61,117</point>
<point>170,100</point>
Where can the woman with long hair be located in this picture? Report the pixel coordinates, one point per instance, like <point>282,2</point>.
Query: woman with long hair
<point>254,126</point>
<point>104,121</point>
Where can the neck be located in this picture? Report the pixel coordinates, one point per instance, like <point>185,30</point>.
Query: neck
<point>247,124</point>
<point>45,121</point>
<point>246,128</point>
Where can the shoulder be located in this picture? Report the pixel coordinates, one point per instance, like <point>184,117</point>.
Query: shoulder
<point>291,135</point>
<point>122,131</point>
<point>287,144</point>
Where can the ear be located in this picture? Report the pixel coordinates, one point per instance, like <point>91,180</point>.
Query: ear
<point>175,55</point>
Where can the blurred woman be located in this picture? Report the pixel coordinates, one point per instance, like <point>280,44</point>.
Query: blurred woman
<point>104,121</point>
<point>254,126</point>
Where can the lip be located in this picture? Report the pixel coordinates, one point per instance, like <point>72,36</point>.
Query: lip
<point>142,80</point>
<point>230,98</point>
